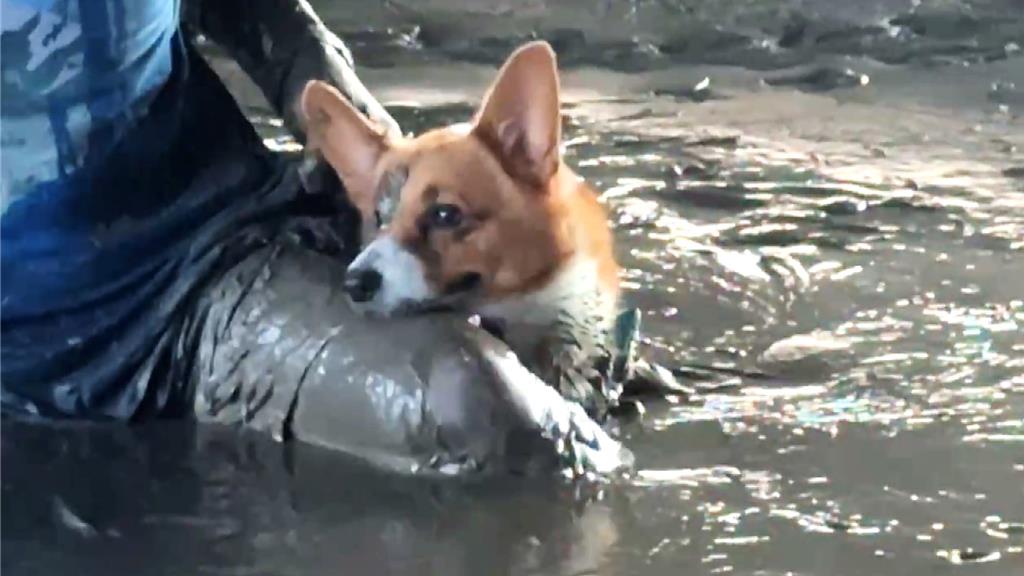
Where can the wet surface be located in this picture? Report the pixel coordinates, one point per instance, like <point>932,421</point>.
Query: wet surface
<point>824,209</point>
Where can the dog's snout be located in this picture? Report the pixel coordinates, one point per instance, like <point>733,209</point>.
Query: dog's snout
<point>362,284</point>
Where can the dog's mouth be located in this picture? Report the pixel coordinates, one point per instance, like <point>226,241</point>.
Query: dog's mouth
<point>463,285</point>
<point>455,296</point>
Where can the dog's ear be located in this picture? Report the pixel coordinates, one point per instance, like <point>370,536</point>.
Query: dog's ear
<point>348,141</point>
<point>520,119</point>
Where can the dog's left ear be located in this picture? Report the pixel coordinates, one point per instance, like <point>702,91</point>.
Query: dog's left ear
<point>350,143</point>
<point>520,119</point>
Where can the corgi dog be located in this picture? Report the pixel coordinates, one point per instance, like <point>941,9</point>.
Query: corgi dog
<point>484,218</point>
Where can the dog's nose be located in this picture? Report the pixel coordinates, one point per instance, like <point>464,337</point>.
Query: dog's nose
<point>362,284</point>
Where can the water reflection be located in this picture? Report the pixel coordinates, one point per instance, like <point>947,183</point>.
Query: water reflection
<point>862,288</point>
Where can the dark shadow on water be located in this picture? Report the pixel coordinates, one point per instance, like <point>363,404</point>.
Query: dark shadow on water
<point>171,498</point>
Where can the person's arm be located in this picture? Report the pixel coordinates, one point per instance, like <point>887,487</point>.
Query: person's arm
<point>281,45</point>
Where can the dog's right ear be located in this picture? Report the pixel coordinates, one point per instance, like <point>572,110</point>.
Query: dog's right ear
<point>520,119</point>
<point>348,141</point>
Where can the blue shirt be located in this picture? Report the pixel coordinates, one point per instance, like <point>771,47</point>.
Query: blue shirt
<point>76,75</point>
<point>124,163</point>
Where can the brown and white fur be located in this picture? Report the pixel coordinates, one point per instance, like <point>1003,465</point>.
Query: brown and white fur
<point>484,217</point>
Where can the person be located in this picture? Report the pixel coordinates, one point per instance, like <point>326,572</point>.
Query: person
<point>159,261</point>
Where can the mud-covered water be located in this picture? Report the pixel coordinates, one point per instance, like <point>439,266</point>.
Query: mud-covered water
<point>831,224</point>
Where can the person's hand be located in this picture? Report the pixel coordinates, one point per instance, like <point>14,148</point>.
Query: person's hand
<point>343,77</point>
<point>282,45</point>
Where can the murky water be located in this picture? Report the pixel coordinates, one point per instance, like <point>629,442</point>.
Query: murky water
<point>831,226</point>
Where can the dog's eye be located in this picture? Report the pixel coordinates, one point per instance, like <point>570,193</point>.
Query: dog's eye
<point>444,216</point>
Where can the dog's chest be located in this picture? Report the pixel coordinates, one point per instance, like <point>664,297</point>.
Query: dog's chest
<point>562,328</point>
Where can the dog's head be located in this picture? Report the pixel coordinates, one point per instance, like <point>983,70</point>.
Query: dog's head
<point>460,215</point>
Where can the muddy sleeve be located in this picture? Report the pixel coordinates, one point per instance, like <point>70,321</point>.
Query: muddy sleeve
<point>278,350</point>
<point>281,45</point>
